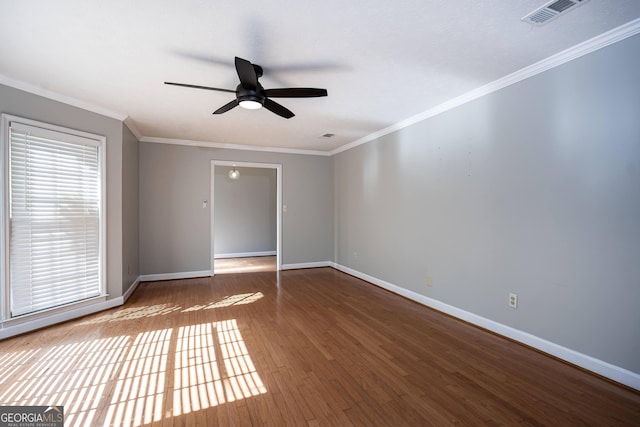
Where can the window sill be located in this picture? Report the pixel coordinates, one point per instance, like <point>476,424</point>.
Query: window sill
<point>52,313</point>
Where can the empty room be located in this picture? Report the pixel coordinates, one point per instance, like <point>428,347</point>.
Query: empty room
<point>320,214</point>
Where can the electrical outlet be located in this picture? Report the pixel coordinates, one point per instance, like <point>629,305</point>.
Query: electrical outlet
<point>513,300</point>
<point>429,281</point>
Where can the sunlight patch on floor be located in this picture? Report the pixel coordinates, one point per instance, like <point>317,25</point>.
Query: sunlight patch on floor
<point>126,380</point>
<point>139,392</point>
<point>72,375</point>
<point>239,299</point>
<point>213,366</point>
<point>133,313</point>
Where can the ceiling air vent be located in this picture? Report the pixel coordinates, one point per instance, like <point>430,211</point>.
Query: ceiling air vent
<point>551,11</point>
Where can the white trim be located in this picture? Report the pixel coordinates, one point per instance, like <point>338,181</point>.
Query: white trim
<point>19,120</point>
<point>129,123</point>
<point>617,34</point>
<point>233,146</point>
<point>4,225</point>
<point>613,36</point>
<point>30,325</point>
<point>307,265</point>
<point>615,373</point>
<point>104,214</point>
<point>245,254</point>
<point>52,311</point>
<point>131,289</point>
<point>278,168</point>
<point>174,276</point>
<point>46,93</point>
<point>6,121</point>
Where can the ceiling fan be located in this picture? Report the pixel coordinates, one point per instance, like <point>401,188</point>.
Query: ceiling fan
<point>251,95</point>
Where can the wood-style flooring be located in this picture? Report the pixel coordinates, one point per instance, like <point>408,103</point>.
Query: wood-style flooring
<point>297,348</point>
<point>245,265</point>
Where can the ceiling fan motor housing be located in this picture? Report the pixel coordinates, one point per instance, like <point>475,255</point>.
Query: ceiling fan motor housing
<point>244,94</point>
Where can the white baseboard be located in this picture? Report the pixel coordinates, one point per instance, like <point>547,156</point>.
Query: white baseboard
<point>613,372</point>
<point>174,276</point>
<point>245,254</point>
<point>131,289</point>
<point>31,325</point>
<point>306,265</point>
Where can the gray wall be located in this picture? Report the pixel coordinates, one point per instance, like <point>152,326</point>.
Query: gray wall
<point>534,189</point>
<point>175,229</point>
<point>130,208</point>
<point>23,104</point>
<point>245,211</point>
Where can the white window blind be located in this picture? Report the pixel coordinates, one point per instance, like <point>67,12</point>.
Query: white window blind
<point>54,214</point>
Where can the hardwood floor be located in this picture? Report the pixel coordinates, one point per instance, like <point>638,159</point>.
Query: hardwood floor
<point>245,265</point>
<point>301,347</point>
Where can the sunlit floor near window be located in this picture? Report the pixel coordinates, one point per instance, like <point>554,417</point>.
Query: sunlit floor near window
<point>244,265</point>
<point>127,379</point>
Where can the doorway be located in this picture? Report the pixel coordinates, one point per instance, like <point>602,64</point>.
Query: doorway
<point>245,264</point>
<point>228,261</point>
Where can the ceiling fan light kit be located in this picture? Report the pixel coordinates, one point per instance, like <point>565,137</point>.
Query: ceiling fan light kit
<point>248,98</point>
<point>250,104</point>
<point>251,95</point>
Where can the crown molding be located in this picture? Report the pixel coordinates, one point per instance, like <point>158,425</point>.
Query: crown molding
<point>54,96</point>
<point>129,123</point>
<point>219,145</point>
<point>605,39</point>
<point>617,34</point>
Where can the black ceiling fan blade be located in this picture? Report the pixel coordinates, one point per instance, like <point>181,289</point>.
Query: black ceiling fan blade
<point>247,74</point>
<point>200,87</point>
<point>226,107</point>
<point>295,92</point>
<point>209,59</point>
<point>274,107</point>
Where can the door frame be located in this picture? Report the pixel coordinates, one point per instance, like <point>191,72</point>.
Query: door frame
<point>278,168</point>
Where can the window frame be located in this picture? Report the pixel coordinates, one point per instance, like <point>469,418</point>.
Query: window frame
<point>5,285</point>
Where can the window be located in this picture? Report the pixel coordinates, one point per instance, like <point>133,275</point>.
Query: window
<point>53,216</point>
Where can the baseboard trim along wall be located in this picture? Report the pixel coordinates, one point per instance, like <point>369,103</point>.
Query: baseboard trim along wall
<point>63,316</point>
<point>131,289</point>
<point>615,373</point>
<point>245,254</point>
<point>307,265</point>
<point>66,315</point>
<point>607,370</point>
<point>175,276</point>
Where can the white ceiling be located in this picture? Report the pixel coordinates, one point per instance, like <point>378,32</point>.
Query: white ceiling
<point>381,61</point>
